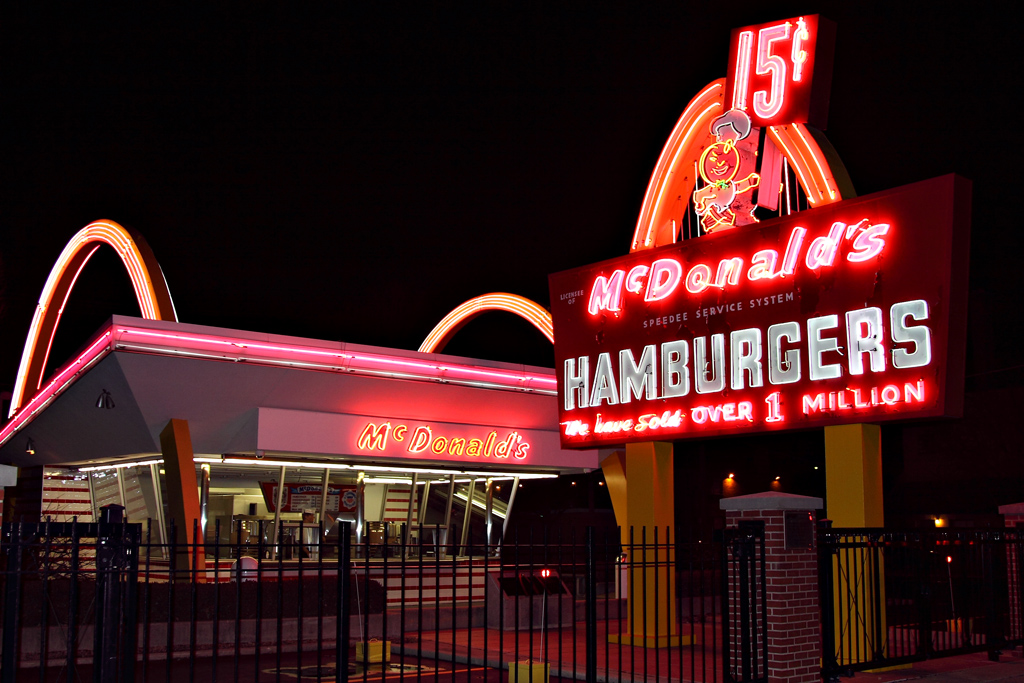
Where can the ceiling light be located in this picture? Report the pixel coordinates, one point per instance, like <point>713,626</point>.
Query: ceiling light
<point>105,400</point>
<point>30,447</point>
<point>235,459</point>
<point>120,465</point>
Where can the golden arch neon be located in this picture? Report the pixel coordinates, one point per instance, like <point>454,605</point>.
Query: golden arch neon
<point>147,280</point>
<point>531,311</point>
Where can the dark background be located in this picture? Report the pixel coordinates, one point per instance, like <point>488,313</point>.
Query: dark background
<point>355,173</point>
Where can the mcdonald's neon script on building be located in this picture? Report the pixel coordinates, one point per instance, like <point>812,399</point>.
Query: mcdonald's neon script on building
<point>423,440</point>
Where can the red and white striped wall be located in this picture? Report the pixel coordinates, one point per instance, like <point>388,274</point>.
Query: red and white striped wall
<point>396,506</point>
<point>66,496</point>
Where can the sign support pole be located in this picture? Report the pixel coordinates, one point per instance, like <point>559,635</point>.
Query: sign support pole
<point>853,475</point>
<point>853,492</point>
<point>649,483</point>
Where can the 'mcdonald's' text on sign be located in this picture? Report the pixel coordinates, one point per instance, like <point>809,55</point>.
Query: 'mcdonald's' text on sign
<point>426,440</point>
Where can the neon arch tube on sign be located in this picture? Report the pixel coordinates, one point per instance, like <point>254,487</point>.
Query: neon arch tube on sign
<point>147,280</point>
<point>530,311</point>
<point>707,102</point>
<point>672,174</point>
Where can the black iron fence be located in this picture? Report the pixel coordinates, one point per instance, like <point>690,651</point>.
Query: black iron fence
<point>891,597</point>
<point>107,602</point>
<point>744,585</point>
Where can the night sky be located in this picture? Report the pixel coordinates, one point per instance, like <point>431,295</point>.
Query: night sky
<point>354,174</point>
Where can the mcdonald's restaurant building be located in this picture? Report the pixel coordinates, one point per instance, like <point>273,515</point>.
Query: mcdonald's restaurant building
<point>184,422</point>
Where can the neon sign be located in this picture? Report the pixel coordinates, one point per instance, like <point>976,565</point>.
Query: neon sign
<point>851,311</point>
<point>422,440</point>
<point>780,72</point>
<point>392,439</point>
<point>859,242</point>
<point>727,168</point>
<point>665,370</point>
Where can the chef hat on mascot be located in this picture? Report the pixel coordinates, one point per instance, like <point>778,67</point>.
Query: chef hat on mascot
<point>731,126</point>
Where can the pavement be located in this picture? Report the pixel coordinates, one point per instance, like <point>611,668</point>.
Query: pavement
<point>975,668</point>
<point>563,649</point>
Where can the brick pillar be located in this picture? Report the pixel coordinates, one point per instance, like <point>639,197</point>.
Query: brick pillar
<point>791,568</point>
<point>1013,516</point>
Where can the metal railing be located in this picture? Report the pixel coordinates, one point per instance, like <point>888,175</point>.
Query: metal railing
<point>891,597</point>
<point>745,587</point>
<point>108,602</point>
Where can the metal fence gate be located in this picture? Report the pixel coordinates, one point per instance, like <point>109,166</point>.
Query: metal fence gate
<point>107,602</point>
<point>891,597</point>
<point>744,591</point>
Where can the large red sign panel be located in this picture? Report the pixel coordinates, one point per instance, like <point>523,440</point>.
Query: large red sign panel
<point>853,312</point>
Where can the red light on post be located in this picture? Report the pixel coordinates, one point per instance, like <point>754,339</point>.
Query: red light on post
<point>949,559</point>
<point>545,573</point>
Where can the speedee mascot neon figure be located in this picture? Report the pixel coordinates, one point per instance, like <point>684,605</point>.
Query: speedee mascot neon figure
<point>719,165</point>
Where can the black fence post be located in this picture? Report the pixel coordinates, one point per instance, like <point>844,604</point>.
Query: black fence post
<point>72,634</point>
<point>826,600</point>
<point>12,600</point>
<point>111,559</point>
<point>875,546</point>
<point>993,632</point>
<point>725,608</point>
<point>591,611</point>
<point>132,537</point>
<point>923,597</point>
<point>740,590</point>
<point>105,631</point>
<point>344,602</point>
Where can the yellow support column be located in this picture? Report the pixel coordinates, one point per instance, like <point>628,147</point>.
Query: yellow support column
<point>853,489</point>
<point>853,475</point>
<point>614,469</point>
<point>182,496</point>
<point>642,487</point>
